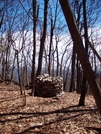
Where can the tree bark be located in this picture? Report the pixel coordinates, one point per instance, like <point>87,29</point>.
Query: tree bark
<point>19,77</point>
<point>50,47</point>
<point>72,87</point>
<point>57,69</point>
<point>42,41</point>
<point>79,77</point>
<point>34,47</point>
<point>84,83</point>
<point>12,72</point>
<point>96,91</point>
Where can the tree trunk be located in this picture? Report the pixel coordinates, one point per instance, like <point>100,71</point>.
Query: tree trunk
<point>83,92</point>
<point>12,72</point>
<point>96,91</point>
<point>57,68</point>
<point>42,41</point>
<point>3,67</point>
<point>34,47</point>
<point>50,47</point>
<point>72,87</point>
<point>53,64</point>
<point>79,77</point>
<point>84,83</point>
<point>19,77</point>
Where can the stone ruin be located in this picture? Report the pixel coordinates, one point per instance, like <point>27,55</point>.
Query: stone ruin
<point>47,86</point>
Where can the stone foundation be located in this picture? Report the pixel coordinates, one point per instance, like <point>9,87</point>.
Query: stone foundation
<point>46,86</point>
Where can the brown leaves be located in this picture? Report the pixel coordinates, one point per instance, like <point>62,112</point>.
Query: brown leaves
<point>46,115</point>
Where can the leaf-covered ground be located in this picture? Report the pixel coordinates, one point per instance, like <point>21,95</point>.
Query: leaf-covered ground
<point>46,115</point>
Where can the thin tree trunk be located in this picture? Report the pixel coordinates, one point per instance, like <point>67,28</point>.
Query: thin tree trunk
<point>50,47</point>
<point>34,47</point>
<point>96,91</point>
<point>53,64</point>
<point>12,73</point>
<point>42,41</point>
<point>3,67</point>
<point>57,69</point>
<point>19,77</point>
<point>72,87</point>
<point>53,22</point>
<point>7,63</point>
<point>78,88</point>
<point>84,83</point>
<point>83,92</point>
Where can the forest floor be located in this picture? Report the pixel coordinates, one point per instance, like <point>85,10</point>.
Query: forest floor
<point>36,115</point>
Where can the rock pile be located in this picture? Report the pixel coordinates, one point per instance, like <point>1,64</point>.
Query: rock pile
<point>46,86</point>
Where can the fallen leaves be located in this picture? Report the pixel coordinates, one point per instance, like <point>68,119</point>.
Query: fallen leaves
<point>46,115</point>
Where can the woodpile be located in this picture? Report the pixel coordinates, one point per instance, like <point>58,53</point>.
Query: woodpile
<point>46,86</point>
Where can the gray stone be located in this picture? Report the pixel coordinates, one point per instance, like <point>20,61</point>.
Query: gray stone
<point>47,86</point>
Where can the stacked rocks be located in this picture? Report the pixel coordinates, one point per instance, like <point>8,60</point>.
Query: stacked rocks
<point>46,86</point>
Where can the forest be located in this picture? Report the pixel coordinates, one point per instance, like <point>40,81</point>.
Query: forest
<point>55,42</point>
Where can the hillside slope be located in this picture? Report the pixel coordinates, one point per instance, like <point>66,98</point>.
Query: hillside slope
<point>36,115</point>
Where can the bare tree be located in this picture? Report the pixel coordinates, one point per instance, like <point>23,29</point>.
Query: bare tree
<point>42,40</point>
<point>52,27</point>
<point>35,17</point>
<point>96,91</point>
<point>72,86</point>
<point>84,83</point>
